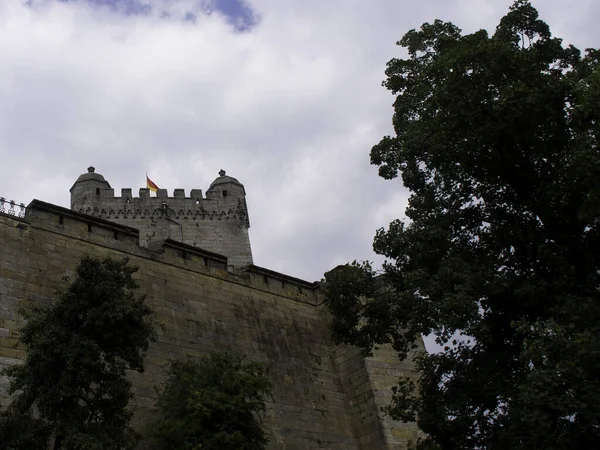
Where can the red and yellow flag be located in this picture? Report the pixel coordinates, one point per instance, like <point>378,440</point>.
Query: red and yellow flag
<point>150,184</point>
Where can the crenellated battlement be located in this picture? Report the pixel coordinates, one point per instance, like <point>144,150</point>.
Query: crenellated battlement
<point>217,222</point>
<point>162,194</point>
<point>178,207</point>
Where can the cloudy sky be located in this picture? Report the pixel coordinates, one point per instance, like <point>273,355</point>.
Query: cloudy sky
<point>285,95</point>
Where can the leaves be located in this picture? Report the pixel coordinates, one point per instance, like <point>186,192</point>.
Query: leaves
<point>497,140</point>
<point>72,391</point>
<point>214,403</point>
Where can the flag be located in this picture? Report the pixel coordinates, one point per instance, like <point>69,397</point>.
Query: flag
<point>150,184</point>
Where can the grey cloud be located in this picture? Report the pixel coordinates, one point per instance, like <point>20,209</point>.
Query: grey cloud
<point>291,108</point>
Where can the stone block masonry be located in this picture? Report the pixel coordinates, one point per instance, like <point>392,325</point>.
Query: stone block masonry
<point>325,396</point>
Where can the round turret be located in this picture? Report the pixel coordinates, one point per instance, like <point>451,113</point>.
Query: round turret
<point>91,175</point>
<point>87,190</point>
<point>225,186</point>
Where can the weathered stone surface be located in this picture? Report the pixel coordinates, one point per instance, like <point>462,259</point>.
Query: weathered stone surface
<point>325,396</point>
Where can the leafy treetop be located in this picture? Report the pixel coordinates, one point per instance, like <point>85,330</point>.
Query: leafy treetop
<point>71,392</point>
<point>214,403</point>
<point>496,137</point>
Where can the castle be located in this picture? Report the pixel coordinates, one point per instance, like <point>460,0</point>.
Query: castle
<point>218,222</point>
<point>195,265</point>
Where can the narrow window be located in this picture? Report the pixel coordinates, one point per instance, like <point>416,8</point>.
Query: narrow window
<point>266,279</point>
<point>282,284</point>
<point>89,227</point>
<point>116,235</point>
<point>61,220</point>
<point>224,193</point>
<point>97,191</point>
<point>206,261</point>
<point>299,290</point>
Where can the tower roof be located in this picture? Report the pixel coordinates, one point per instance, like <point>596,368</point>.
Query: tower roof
<point>223,178</point>
<point>89,176</point>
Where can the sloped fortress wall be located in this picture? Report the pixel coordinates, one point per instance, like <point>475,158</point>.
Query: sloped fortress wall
<point>325,396</point>
<point>218,222</point>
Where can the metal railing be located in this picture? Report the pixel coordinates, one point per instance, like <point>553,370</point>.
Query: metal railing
<point>8,207</point>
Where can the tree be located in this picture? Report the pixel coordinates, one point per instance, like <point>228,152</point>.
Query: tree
<point>72,391</point>
<point>214,403</point>
<point>496,137</point>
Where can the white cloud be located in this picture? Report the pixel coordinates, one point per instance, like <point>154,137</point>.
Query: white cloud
<point>291,108</point>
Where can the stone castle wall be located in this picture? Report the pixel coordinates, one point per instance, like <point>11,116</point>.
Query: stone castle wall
<point>325,396</point>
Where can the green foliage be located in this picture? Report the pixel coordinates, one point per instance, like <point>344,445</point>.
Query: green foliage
<point>214,403</point>
<point>497,140</point>
<point>71,391</point>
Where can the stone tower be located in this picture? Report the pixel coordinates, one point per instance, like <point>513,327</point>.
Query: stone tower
<point>218,222</point>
